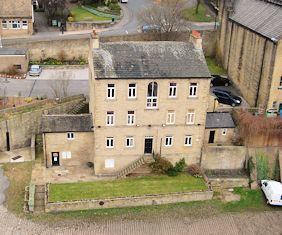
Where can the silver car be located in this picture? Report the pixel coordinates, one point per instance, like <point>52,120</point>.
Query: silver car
<point>35,70</point>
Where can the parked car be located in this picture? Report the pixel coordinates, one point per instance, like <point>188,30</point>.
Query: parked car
<point>124,1</point>
<point>150,28</point>
<point>35,70</point>
<point>226,97</point>
<point>272,191</point>
<point>220,80</point>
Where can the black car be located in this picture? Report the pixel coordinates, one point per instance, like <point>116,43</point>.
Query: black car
<point>226,97</point>
<point>219,80</point>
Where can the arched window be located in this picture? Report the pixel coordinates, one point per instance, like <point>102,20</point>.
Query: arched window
<point>152,95</point>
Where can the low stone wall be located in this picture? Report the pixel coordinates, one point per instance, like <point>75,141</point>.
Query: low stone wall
<point>128,201</point>
<point>80,26</point>
<point>229,182</point>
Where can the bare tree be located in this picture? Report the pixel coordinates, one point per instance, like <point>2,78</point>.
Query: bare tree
<point>167,16</point>
<point>54,7</point>
<point>60,85</point>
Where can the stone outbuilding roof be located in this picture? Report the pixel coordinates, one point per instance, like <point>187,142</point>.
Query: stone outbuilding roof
<point>262,17</point>
<point>219,120</point>
<point>15,9</point>
<point>66,123</point>
<point>13,51</point>
<point>160,59</point>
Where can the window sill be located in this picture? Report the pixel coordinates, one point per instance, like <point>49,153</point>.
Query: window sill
<point>152,109</point>
<point>193,97</point>
<point>280,88</point>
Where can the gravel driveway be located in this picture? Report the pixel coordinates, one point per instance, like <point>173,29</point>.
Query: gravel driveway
<point>247,223</point>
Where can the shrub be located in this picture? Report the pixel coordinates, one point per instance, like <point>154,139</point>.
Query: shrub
<point>276,170</point>
<point>70,19</point>
<point>161,165</point>
<point>115,7</point>
<point>251,165</point>
<point>177,168</point>
<point>172,172</point>
<point>194,170</point>
<point>262,166</point>
<point>28,99</point>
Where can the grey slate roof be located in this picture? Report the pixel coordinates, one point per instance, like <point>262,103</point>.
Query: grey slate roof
<point>12,51</point>
<point>262,17</point>
<point>219,120</point>
<point>149,60</point>
<point>66,123</point>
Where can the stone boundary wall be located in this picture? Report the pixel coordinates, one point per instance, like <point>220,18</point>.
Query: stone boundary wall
<point>80,26</point>
<point>223,157</point>
<point>145,200</point>
<point>40,48</point>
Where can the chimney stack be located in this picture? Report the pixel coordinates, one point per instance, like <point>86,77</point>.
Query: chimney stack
<point>95,39</point>
<point>196,39</point>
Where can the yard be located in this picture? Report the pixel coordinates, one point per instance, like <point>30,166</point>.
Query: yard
<point>203,15</point>
<point>125,187</point>
<point>80,14</point>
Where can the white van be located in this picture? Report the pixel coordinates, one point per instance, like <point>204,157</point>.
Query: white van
<point>273,192</point>
<point>124,1</point>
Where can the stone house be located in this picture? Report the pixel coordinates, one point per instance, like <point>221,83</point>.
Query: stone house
<point>67,139</point>
<point>16,18</point>
<point>11,58</point>
<point>219,128</point>
<point>250,48</point>
<point>147,98</point>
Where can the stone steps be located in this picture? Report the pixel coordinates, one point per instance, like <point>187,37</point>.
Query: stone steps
<point>39,198</point>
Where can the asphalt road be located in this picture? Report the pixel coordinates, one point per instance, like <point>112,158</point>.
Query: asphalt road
<point>34,88</point>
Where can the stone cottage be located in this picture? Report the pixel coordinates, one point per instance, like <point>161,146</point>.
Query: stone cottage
<point>147,98</point>
<point>67,139</point>
<point>250,48</point>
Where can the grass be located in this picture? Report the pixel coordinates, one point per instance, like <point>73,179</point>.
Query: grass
<point>125,187</point>
<point>19,175</point>
<point>79,14</point>
<point>214,67</point>
<point>203,14</point>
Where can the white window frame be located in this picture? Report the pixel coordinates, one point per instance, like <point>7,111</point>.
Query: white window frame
<point>168,141</point>
<point>24,24</point>
<point>66,155</point>
<point>5,24</point>
<point>109,163</point>
<point>224,131</point>
<point>110,118</point>
<point>170,117</point>
<point>130,118</point>
<point>111,91</point>
<point>132,91</point>
<point>129,141</point>
<point>152,99</point>
<point>193,89</point>
<point>190,117</point>
<point>172,92</point>
<point>274,105</point>
<point>188,140</point>
<point>70,135</point>
<point>280,83</point>
<point>17,23</point>
<point>110,142</point>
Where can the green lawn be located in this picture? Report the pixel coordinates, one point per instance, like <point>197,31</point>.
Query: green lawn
<point>203,15</point>
<point>125,187</point>
<point>79,14</point>
<point>214,67</point>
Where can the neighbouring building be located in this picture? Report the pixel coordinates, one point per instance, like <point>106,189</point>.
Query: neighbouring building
<point>13,60</point>
<point>219,128</point>
<point>67,139</point>
<point>147,98</point>
<point>250,48</point>
<point>16,18</point>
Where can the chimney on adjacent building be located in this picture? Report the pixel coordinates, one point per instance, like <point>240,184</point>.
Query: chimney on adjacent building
<point>196,39</point>
<point>95,39</point>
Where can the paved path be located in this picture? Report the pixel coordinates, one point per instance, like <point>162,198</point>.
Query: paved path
<point>249,224</point>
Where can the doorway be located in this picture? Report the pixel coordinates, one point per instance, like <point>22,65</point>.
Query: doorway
<point>148,145</point>
<point>211,137</point>
<point>55,159</point>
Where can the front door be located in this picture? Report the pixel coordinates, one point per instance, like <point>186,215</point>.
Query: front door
<point>211,137</point>
<point>55,159</point>
<point>148,145</point>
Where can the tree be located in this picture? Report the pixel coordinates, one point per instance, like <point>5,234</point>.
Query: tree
<point>60,85</point>
<point>54,8</point>
<point>167,16</point>
<point>197,6</point>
